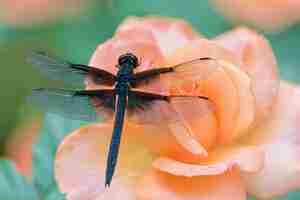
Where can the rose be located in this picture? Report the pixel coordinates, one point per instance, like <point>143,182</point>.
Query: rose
<point>18,148</point>
<point>244,140</point>
<point>272,15</point>
<point>30,12</point>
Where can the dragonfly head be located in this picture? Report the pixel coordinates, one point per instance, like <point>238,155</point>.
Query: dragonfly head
<point>128,59</point>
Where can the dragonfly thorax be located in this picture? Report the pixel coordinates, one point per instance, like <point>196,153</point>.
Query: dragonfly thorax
<point>124,77</point>
<point>126,64</point>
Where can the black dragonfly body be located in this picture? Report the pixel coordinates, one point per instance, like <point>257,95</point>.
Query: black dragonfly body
<point>122,98</point>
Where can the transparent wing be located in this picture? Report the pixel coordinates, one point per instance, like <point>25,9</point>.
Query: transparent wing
<point>83,105</point>
<point>75,74</point>
<point>150,108</point>
<point>195,70</point>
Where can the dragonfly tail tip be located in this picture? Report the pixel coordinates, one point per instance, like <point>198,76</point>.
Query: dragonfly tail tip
<point>107,184</point>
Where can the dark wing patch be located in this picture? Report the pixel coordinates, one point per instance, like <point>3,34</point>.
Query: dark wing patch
<point>194,70</point>
<point>151,108</point>
<point>82,105</point>
<point>74,74</point>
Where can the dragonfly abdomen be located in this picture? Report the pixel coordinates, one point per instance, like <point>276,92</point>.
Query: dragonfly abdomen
<point>116,136</point>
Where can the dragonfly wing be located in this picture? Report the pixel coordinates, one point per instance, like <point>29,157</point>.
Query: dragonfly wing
<point>195,70</point>
<point>74,74</point>
<point>83,105</point>
<point>151,108</point>
<point>182,115</point>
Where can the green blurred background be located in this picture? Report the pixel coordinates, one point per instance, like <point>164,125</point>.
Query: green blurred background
<point>75,37</point>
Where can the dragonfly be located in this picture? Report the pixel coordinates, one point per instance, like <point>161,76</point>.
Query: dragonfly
<point>121,97</point>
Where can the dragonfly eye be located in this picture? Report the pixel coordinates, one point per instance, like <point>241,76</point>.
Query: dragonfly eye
<point>128,58</point>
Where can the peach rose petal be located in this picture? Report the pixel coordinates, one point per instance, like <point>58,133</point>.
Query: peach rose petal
<point>29,12</point>
<point>18,148</point>
<point>157,185</point>
<point>218,86</point>
<point>248,159</point>
<point>182,129</point>
<point>162,113</point>
<point>271,15</point>
<point>246,97</point>
<point>177,145</point>
<point>255,57</point>
<point>81,161</point>
<point>221,90</point>
<point>169,33</point>
<point>199,120</point>
<point>185,137</point>
<point>190,120</point>
<point>279,138</point>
